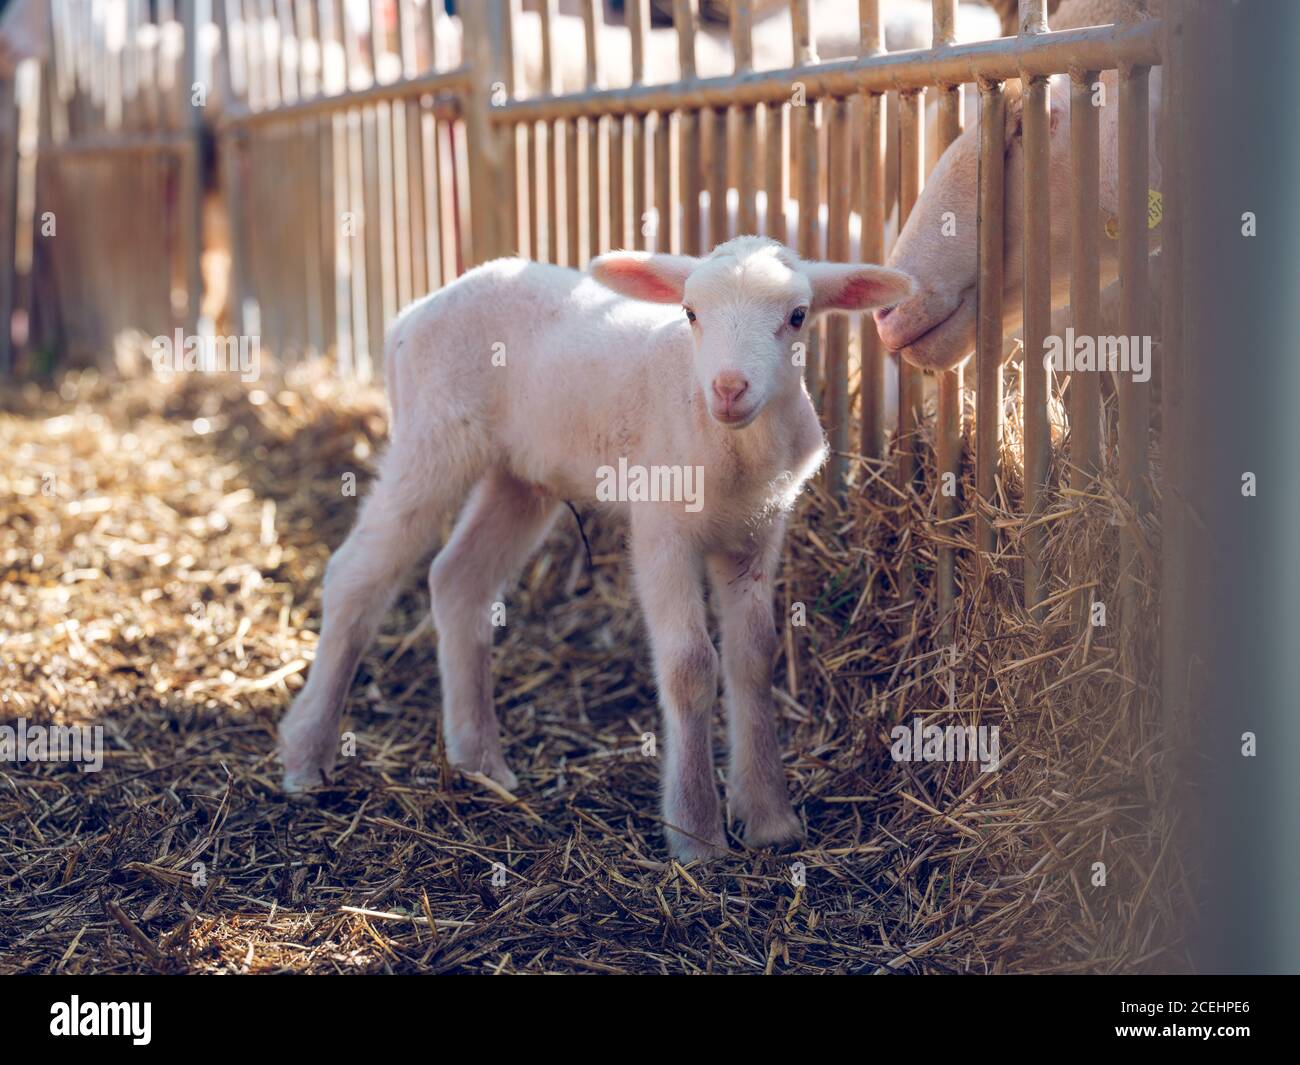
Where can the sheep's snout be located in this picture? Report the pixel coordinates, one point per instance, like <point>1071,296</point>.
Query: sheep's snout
<point>933,329</point>
<point>730,398</point>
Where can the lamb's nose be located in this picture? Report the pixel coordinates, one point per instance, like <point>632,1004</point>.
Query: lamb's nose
<point>882,313</point>
<point>729,386</point>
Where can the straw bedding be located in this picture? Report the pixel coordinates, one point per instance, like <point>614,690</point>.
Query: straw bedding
<point>162,544</point>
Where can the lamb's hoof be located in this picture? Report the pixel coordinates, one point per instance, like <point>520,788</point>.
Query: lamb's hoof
<point>688,848</point>
<point>772,830</point>
<point>491,766</point>
<point>304,769</point>
<point>298,781</point>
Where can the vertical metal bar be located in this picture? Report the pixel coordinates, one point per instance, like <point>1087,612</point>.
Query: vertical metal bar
<point>617,184</point>
<point>1033,17</point>
<point>358,224</point>
<point>774,153</point>
<point>988,337</point>
<point>319,259</point>
<point>872,388</point>
<point>948,428</point>
<point>436,13</point>
<point>387,225</point>
<point>45,197</point>
<point>572,205</point>
<point>806,148</point>
<point>192,171</point>
<point>910,176</point>
<point>309,222</point>
<point>685,16</point>
<point>840,154</point>
<point>294,275</point>
<point>507,134</point>
<point>548,9</point>
<point>290,51</point>
<point>1134,396</point>
<point>663,181</point>
<point>742,47</point>
<point>638,21</point>
<point>483,49</point>
<point>8,215</point>
<point>718,142</point>
<point>325,220</point>
<point>407,34</point>
<point>270,56</point>
<point>377,43</point>
<point>415,199</point>
<point>259,151</point>
<point>533,165</point>
<point>1173,510</point>
<point>1085,210</point>
<point>435,253</point>
<point>1085,283</point>
<point>334,55</point>
<point>33,95</point>
<point>1037,301</point>
<point>345,334</point>
<point>597,128</point>
<point>373,243</point>
<point>233,163</point>
<point>461,201</point>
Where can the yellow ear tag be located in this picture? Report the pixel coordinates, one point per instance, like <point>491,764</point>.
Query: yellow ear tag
<point>1155,212</point>
<point>1155,208</point>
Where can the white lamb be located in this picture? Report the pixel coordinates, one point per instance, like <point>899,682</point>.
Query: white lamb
<point>525,385</point>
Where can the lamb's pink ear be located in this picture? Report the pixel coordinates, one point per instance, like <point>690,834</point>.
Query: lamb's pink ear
<point>643,275</point>
<point>855,286</point>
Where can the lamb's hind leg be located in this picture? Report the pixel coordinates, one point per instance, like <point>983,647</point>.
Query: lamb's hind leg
<point>502,524</point>
<point>397,523</point>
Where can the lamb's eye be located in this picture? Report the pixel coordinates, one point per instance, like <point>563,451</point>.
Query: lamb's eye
<point>690,314</point>
<point>797,317</point>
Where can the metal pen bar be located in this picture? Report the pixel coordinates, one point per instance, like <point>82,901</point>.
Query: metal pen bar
<point>1036,116</point>
<point>988,337</point>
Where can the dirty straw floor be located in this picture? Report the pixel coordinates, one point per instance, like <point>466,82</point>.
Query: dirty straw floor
<point>161,551</point>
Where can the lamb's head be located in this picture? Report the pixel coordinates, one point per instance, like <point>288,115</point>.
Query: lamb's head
<point>749,304</point>
<point>935,329</point>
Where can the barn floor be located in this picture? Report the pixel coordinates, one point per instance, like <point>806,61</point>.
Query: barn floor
<point>161,550</point>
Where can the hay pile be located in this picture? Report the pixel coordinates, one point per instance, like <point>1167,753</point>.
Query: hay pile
<point>164,582</point>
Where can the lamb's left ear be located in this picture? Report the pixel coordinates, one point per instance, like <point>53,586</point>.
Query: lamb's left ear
<point>855,287</point>
<point>644,276</point>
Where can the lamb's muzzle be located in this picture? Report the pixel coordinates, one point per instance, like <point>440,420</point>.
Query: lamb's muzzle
<point>543,403</point>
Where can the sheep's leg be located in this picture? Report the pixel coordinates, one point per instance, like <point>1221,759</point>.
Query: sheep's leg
<point>397,522</point>
<point>669,586</point>
<point>500,527</point>
<point>756,787</point>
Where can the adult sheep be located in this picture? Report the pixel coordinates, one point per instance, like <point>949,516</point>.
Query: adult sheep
<point>935,329</point>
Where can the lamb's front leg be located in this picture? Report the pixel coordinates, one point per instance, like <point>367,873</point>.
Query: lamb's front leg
<point>756,788</point>
<point>670,586</point>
